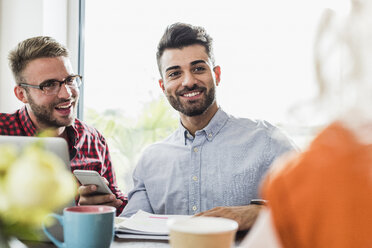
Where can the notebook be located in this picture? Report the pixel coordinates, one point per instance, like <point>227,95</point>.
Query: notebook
<point>143,225</point>
<point>59,147</point>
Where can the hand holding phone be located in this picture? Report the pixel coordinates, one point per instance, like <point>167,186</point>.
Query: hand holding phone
<point>87,177</point>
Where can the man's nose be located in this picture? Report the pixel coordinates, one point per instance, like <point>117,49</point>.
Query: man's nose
<point>65,91</point>
<point>189,80</point>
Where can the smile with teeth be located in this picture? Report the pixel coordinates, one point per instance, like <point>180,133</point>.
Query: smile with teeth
<point>191,94</point>
<point>64,106</point>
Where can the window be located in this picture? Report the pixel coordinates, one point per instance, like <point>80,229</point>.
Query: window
<point>264,49</point>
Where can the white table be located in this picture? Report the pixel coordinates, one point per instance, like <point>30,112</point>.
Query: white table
<point>118,243</point>
<point>140,243</point>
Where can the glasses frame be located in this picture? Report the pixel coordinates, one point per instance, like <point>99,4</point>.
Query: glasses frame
<point>41,87</point>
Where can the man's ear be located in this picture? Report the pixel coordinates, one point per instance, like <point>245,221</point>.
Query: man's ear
<point>161,84</point>
<point>217,74</point>
<point>20,93</point>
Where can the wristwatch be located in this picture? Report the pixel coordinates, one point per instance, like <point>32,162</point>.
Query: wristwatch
<point>258,202</point>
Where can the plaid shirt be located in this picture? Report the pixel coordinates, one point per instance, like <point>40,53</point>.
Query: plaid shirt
<point>87,147</point>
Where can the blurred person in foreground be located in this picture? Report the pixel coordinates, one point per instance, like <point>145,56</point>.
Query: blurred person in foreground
<point>323,196</point>
<point>49,89</point>
<point>213,163</point>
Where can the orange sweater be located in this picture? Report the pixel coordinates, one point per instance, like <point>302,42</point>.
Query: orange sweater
<point>323,197</point>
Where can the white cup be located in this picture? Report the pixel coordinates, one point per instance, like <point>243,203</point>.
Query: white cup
<point>202,232</point>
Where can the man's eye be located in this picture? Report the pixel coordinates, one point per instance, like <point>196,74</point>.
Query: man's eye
<point>49,84</point>
<point>174,74</point>
<point>199,69</point>
<point>70,80</point>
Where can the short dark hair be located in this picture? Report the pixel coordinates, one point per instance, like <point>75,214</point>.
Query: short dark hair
<point>34,48</point>
<point>179,35</point>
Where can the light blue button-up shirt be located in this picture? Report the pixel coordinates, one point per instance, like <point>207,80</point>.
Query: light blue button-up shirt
<point>221,166</point>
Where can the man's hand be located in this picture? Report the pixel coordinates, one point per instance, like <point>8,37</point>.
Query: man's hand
<point>88,196</point>
<point>244,215</point>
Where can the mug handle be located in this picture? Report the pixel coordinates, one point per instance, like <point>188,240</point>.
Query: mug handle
<point>58,243</point>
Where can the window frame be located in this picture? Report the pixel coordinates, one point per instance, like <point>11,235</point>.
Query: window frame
<point>80,58</point>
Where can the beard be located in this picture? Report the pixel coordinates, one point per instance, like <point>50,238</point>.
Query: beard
<point>193,107</point>
<point>44,113</point>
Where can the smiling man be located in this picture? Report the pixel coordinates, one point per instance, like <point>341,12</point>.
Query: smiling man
<point>46,84</point>
<point>213,163</point>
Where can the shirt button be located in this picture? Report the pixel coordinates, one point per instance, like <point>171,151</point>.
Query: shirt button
<point>195,178</point>
<point>194,208</point>
<point>210,135</point>
<point>195,149</point>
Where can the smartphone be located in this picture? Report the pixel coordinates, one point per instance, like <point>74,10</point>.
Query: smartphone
<point>87,177</point>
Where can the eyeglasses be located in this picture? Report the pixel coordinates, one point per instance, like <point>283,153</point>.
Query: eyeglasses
<point>53,86</point>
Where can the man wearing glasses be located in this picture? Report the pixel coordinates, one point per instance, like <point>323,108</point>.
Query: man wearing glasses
<point>46,84</point>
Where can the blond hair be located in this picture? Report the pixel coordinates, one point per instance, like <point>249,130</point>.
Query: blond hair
<point>31,49</point>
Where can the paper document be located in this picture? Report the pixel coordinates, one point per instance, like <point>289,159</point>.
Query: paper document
<point>143,223</point>
<point>140,236</point>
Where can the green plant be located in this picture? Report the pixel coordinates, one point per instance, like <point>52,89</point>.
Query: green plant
<point>127,137</point>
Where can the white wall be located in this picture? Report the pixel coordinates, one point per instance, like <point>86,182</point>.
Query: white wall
<point>22,19</point>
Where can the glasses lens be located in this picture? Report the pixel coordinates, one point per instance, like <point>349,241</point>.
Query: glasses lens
<point>73,82</point>
<point>50,87</point>
<point>77,81</point>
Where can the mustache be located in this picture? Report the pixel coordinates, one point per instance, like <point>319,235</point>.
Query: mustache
<point>188,89</point>
<point>72,100</point>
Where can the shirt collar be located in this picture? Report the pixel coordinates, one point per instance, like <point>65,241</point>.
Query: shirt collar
<point>72,134</point>
<point>210,131</point>
<point>73,139</point>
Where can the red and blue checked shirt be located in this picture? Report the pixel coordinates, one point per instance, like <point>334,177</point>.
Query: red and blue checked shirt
<point>87,147</point>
